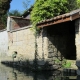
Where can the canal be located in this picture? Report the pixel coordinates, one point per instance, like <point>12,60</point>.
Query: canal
<point>9,73</point>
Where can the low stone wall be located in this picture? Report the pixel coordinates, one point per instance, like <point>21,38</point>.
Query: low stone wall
<point>77,43</point>
<point>3,43</point>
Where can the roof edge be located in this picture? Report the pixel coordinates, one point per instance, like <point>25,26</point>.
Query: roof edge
<point>60,19</point>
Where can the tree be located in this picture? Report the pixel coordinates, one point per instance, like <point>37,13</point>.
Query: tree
<point>26,4</point>
<point>45,9</point>
<point>72,5</point>
<point>4,20</point>
<point>4,17</point>
<point>4,7</point>
<point>15,13</point>
<point>78,3</point>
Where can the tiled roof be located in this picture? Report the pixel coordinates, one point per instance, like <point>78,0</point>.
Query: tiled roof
<point>61,18</point>
<point>27,12</point>
<point>18,17</point>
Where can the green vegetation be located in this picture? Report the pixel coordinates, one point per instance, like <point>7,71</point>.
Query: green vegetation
<point>50,8</point>
<point>4,20</point>
<point>11,13</point>
<point>78,3</point>
<point>65,63</point>
<point>57,61</point>
<point>15,13</point>
<point>4,7</point>
<point>45,9</point>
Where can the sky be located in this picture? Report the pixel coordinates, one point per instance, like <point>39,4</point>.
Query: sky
<point>18,5</point>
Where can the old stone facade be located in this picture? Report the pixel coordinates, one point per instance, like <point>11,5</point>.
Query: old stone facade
<point>63,40</point>
<point>57,40</point>
<point>77,38</point>
<point>61,43</point>
<point>22,40</point>
<point>77,43</point>
<point>54,42</point>
<point>64,35</point>
<point>3,44</point>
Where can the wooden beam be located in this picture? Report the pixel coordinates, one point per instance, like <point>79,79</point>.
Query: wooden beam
<point>57,21</point>
<point>75,16</point>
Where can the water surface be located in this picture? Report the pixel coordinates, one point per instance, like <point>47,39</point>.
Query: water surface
<point>9,73</point>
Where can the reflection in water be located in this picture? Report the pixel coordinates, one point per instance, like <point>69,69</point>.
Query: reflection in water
<point>14,75</point>
<point>8,73</point>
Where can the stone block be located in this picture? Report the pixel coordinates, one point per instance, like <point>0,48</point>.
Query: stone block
<point>24,44</point>
<point>14,36</point>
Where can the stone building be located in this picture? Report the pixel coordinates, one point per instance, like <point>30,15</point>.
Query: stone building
<point>64,35</point>
<point>59,38</point>
<point>21,39</point>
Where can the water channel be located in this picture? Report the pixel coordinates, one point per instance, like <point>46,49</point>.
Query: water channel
<point>9,73</point>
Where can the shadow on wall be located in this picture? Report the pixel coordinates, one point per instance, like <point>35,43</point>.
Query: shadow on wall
<point>62,38</point>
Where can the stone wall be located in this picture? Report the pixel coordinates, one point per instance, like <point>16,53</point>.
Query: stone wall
<point>61,43</point>
<point>54,42</point>
<point>77,38</point>
<point>3,43</point>
<point>23,42</point>
<point>62,40</point>
<point>77,43</point>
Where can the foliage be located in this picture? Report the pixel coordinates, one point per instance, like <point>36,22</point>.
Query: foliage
<point>66,64</point>
<point>12,13</point>
<point>72,5</point>
<point>78,3</point>
<point>4,20</point>
<point>57,61</point>
<point>45,9</point>
<point>4,6</point>
<point>15,13</point>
